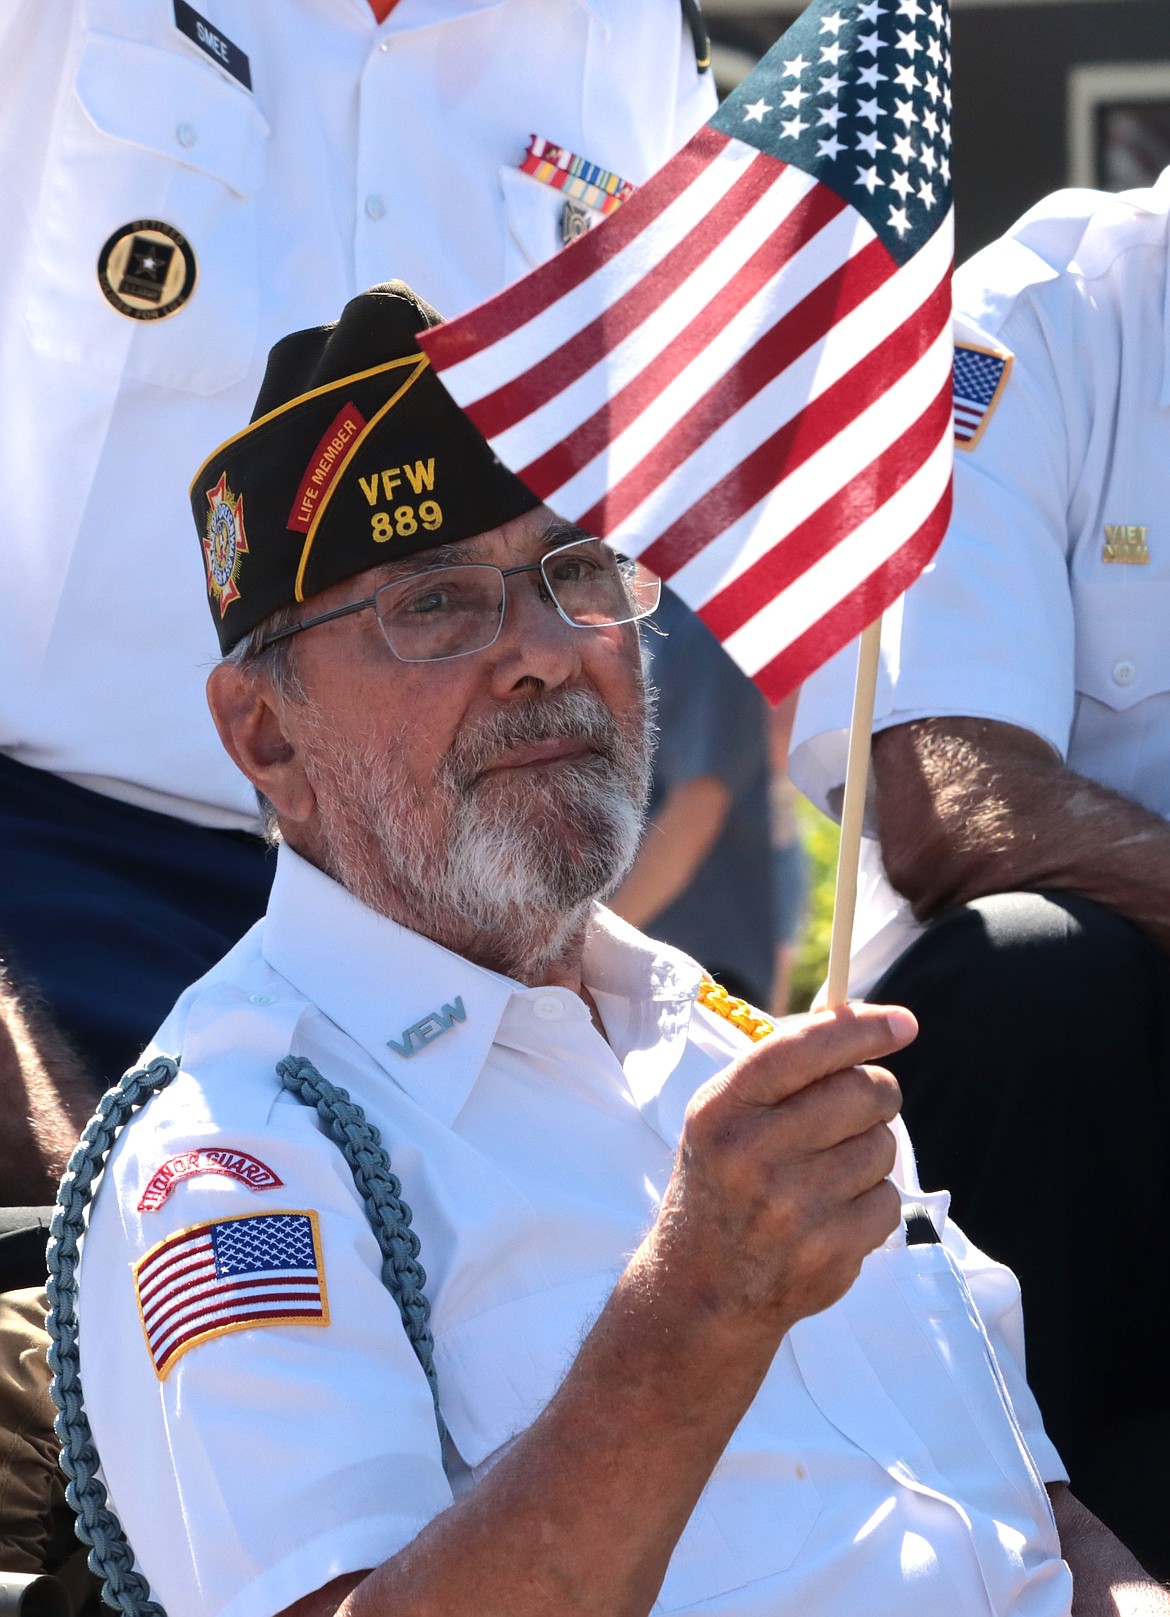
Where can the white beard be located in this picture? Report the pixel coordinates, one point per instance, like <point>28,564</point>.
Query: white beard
<point>525,852</point>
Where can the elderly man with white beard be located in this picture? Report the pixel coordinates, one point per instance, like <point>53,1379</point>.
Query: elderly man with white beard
<point>697,1342</point>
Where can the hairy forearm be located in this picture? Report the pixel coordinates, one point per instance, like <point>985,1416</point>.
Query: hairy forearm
<point>966,808</point>
<point>1107,1580</point>
<point>580,1517</point>
<point>45,1101</point>
<point>677,840</point>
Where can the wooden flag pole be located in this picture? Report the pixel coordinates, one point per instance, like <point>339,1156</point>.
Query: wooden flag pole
<point>852,816</point>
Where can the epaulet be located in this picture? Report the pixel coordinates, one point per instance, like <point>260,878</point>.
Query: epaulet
<point>698,28</point>
<point>736,1011</point>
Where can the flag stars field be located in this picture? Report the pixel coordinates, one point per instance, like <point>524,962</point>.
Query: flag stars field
<point>860,45</point>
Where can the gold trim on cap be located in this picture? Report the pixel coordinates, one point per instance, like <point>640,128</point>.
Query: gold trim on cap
<point>303,398</point>
<point>420,367</point>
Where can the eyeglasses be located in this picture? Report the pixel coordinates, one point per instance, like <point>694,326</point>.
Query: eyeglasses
<point>444,612</point>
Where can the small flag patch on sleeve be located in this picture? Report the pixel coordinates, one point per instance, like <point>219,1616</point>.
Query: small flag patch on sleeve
<point>980,375</point>
<point>231,1275</point>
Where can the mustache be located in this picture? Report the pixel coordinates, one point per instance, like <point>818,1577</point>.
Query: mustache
<point>565,715</point>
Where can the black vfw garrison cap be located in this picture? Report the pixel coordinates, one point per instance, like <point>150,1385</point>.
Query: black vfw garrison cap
<point>356,455</point>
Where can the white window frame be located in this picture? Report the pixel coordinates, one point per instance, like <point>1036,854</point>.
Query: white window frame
<point>1092,86</point>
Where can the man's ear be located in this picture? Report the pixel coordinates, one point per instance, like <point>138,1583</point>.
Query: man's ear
<point>250,717</point>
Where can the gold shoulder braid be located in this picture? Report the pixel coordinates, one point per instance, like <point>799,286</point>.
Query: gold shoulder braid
<point>736,1011</point>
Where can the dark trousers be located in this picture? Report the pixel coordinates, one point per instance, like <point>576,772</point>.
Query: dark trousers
<point>1038,1092</point>
<point>107,911</point>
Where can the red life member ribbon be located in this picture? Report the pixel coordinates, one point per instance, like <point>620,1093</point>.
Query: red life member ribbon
<point>248,1170</point>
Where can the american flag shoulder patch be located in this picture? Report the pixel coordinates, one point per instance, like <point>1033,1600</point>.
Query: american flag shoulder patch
<point>230,1275</point>
<point>980,376</point>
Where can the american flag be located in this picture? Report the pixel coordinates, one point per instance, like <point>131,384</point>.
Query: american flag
<point>261,1269</point>
<point>743,375</point>
<point>979,379</point>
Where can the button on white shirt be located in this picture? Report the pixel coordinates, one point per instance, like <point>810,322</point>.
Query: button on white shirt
<point>1022,618</point>
<point>345,165</point>
<point>534,1153</point>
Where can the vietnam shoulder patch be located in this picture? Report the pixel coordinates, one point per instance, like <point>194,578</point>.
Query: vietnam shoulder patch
<point>980,375</point>
<point>229,1275</point>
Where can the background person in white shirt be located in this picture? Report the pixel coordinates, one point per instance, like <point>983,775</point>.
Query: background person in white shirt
<point>180,185</point>
<point>687,1358</point>
<point>1022,772</point>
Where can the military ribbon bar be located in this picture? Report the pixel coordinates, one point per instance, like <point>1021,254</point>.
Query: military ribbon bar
<point>580,180</point>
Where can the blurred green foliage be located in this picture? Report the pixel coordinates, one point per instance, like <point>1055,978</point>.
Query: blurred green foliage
<point>820,837</point>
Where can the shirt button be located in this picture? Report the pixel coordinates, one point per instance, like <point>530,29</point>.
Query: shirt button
<point>384,46</point>
<point>185,134</point>
<point>375,205</point>
<point>548,1007</point>
<point>1124,673</point>
<point>262,999</point>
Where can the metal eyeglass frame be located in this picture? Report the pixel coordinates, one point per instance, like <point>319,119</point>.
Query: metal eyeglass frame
<point>504,572</point>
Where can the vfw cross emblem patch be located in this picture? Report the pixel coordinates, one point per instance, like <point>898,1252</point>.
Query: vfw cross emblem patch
<point>224,544</point>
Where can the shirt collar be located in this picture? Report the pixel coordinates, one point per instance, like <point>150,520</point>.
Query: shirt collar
<point>378,981</point>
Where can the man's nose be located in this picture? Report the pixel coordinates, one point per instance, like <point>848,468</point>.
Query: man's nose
<point>535,641</point>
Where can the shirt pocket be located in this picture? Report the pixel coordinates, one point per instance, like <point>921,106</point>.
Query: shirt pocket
<point>498,1370</point>
<point>902,1366</point>
<point>532,221</point>
<point>149,135</point>
<point>1122,647</point>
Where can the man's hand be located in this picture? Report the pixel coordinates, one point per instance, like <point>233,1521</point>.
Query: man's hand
<point>1107,1580</point>
<point>966,807</point>
<point>780,1189</point>
<point>778,1194</point>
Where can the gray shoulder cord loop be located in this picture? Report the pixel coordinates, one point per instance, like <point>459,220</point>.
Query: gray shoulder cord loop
<point>379,1187</point>
<point>111,1557</point>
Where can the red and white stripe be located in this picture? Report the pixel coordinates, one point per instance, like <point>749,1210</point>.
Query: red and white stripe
<point>183,1299</point>
<point>733,379</point>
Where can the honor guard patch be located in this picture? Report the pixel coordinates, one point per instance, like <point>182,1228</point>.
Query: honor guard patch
<point>232,1275</point>
<point>980,375</point>
<point>146,270</point>
<point>238,1165</point>
<point>224,543</point>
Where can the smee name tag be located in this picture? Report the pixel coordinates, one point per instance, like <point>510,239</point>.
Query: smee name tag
<point>214,43</point>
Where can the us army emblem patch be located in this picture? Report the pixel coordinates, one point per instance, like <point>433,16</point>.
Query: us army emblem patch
<point>427,1029</point>
<point>146,270</point>
<point>1125,543</point>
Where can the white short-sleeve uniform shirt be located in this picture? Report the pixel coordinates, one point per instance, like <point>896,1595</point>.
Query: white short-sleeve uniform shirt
<point>1022,617</point>
<point>891,1464</point>
<point>358,153</point>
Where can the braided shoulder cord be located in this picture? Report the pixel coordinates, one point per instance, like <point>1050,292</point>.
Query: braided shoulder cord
<point>110,1556</point>
<point>381,1190</point>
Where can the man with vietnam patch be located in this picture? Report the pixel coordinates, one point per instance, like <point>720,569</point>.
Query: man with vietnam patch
<point>1022,772</point>
<point>700,1345</point>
